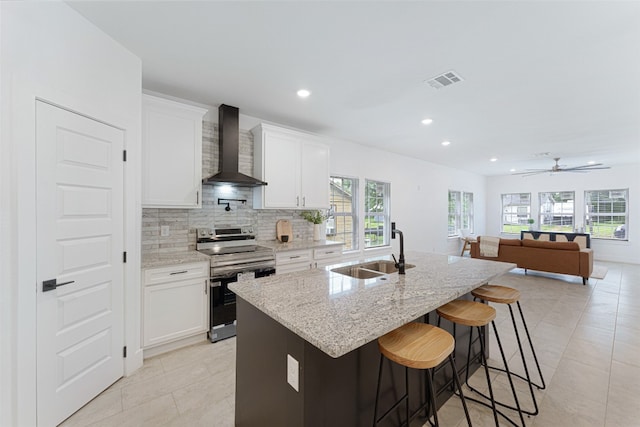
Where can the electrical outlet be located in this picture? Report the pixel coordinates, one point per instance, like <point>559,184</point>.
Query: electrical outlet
<point>292,372</point>
<point>164,230</point>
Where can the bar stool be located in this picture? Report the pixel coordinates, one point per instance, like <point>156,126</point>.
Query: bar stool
<point>418,346</point>
<point>506,295</point>
<point>475,314</point>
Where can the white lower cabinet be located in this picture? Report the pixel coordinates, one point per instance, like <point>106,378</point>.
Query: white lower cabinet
<point>327,256</point>
<point>306,259</point>
<point>175,303</point>
<point>290,261</point>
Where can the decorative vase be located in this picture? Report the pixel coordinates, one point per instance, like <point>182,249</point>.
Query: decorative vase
<point>317,231</point>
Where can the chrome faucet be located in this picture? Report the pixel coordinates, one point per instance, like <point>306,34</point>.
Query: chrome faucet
<point>399,262</point>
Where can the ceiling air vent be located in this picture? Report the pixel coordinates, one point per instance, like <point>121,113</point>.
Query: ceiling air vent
<point>445,79</point>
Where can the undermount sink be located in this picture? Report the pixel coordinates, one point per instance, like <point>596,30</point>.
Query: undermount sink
<point>369,270</point>
<point>385,267</point>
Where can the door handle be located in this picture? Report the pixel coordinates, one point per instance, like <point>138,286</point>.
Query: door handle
<point>50,285</point>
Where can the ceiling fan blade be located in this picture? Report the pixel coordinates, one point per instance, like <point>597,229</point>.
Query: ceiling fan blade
<point>532,172</point>
<point>587,167</point>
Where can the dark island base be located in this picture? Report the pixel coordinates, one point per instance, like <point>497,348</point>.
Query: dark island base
<point>333,392</point>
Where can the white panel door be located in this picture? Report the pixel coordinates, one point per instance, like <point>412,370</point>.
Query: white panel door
<point>79,244</point>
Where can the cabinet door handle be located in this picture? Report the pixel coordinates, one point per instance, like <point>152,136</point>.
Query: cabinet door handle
<point>206,285</point>
<point>304,200</point>
<point>197,197</point>
<point>178,272</point>
<point>297,200</point>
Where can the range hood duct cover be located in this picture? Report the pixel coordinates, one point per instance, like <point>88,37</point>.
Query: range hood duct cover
<point>229,135</point>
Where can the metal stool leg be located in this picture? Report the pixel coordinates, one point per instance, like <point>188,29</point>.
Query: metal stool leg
<point>535,357</point>
<point>432,398</point>
<point>456,380</point>
<point>375,406</point>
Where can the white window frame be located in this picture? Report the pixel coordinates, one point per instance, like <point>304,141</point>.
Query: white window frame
<point>598,232</point>
<point>460,212</point>
<point>515,221</point>
<point>548,212</point>
<point>385,198</point>
<point>335,214</point>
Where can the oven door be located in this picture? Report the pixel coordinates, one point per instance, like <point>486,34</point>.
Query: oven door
<point>223,304</point>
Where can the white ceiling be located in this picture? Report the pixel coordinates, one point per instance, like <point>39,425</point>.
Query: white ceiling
<point>557,77</point>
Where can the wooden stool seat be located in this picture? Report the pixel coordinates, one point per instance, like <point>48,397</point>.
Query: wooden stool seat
<point>496,293</point>
<point>468,313</point>
<point>417,345</point>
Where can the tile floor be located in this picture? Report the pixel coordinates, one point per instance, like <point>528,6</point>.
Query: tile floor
<point>587,339</point>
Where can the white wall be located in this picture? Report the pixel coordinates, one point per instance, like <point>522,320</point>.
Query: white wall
<point>618,177</point>
<point>419,193</point>
<point>50,52</point>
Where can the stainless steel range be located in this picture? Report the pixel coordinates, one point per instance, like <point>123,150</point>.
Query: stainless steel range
<point>235,256</point>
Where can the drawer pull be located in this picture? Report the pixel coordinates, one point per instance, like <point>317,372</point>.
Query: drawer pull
<point>178,272</point>
<point>294,257</point>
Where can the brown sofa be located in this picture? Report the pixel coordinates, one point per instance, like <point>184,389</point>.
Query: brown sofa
<point>554,257</point>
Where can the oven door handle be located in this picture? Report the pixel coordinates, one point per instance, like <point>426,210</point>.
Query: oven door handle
<point>221,271</point>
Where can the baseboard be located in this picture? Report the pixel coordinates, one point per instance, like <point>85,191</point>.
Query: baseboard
<point>174,345</point>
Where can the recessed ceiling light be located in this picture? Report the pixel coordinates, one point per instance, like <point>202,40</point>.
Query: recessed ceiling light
<point>591,162</point>
<point>512,170</point>
<point>493,159</point>
<point>427,121</point>
<point>303,93</point>
<point>445,143</point>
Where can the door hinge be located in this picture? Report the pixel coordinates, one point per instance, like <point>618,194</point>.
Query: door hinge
<point>124,351</point>
<point>124,257</point>
<point>124,155</point>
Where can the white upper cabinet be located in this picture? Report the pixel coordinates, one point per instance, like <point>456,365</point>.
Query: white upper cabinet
<point>295,166</point>
<point>171,154</point>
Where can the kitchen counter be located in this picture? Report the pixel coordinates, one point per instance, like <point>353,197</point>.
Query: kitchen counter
<point>338,314</point>
<point>298,244</point>
<point>172,258</point>
<point>306,350</point>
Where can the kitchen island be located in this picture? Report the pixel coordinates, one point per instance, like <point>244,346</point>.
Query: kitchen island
<point>327,324</point>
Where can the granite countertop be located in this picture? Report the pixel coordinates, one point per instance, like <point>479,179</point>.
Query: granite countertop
<point>338,314</point>
<point>171,258</point>
<point>298,244</point>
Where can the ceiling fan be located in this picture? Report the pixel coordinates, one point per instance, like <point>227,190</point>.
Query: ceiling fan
<point>562,168</point>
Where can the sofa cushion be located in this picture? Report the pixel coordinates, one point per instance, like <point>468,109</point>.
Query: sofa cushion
<point>506,242</point>
<point>562,246</point>
<point>510,242</point>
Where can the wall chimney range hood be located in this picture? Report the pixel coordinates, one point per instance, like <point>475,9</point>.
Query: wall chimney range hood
<point>229,135</point>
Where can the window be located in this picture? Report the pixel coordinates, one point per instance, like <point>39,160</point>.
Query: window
<point>342,224</point>
<point>516,212</point>
<point>605,214</point>
<point>376,214</point>
<point>557,211</point>
<point>460,212</point>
